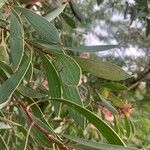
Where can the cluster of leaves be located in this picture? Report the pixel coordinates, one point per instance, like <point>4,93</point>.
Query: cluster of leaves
<point>43,95</point>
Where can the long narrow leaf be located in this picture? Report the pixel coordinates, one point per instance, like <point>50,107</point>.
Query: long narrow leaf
<point>86,144</point>
<point>102,69</point>
<point>16,40</point>
<point>110,135</point>
<point>71,93</point>
<point>52,15</point>
<point>11,84</point>
<point>69,70</point>
<point>41,25</point>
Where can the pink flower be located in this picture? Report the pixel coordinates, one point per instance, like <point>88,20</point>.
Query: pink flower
<point>107,114</point>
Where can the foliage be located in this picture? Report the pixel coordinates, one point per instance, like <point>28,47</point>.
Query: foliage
<point>52,95</point>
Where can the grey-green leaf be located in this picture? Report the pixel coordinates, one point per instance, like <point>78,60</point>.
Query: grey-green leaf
<point>54,84</point>
<point>53,78</point>
<point>102,69</point>
<point>88,145</point>
<point>52,15</point>
<point>108,105</point>
<point>110,135</point>
<point>41,25</point>
<point>11,84</point>
<point>69,70</point>
<point>95,48</point>
<point>16,40</point>
<point>71,93</point>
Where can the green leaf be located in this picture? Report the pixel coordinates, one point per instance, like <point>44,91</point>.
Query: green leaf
<point>95,48</point>
<point>11,84</point>
<point>102,69</point>
<point>110,135</point>
<point>68,69</point>
<point>116,100</point>
<point>115,87</point>
<point>53,80</point>
<point>69,20</point>
<point>81,48</point>
<point>91,145</point>
<point>16,40</point>
<point>128,127</point>
<point>27,137</point>
<point>108,105</point>
<point>99,2</point>
<point>75,9</point>
<point>41,25</point>
<point>71,93</point>
<point>29,92</point>
<point>23,89</point>
<point>3,144</point>
<point>52,15</point>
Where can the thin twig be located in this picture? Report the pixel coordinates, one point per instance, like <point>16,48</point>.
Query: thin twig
<point>48,135</point>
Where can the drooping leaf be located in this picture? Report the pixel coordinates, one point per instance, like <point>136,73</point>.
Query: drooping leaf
<point>69,20</point>
<point>91,145</point>
<point>116,101</point>
<point>71,93</point>
<point>29,92</point>
<point>11,84</point>
<point>23,89</point>
<point>76,11</point>
<point>108,105</point>
<point>114,86</point>
<point>55,13</point>
<point>68,69</point>
<point>16,40</point>
<point>53,78</point>
<point>41,25</point>
<point>3,143</point>
<point>102,69</point>
<point>128,127</point>
<point>95,48</point>
<point>54,84</point>
<point>110,135</point>
<point>25,144</point>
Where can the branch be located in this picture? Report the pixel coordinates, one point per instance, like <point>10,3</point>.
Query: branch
<point>48,135</point>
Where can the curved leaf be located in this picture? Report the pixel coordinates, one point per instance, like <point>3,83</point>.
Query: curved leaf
<point>53,78</point>
<point>87,144</point>
<point>71,93</point>
<point>95,48</point>
<point>10,85</point>
<point>69,70</point>
<point>16,40</point>
<point>55,13</point>
<point>102,69</point>
<point>41,25</point>
<point>110,135</point>
<point>23,89</point>
<point>3,143</point>
<point>108,105</point>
